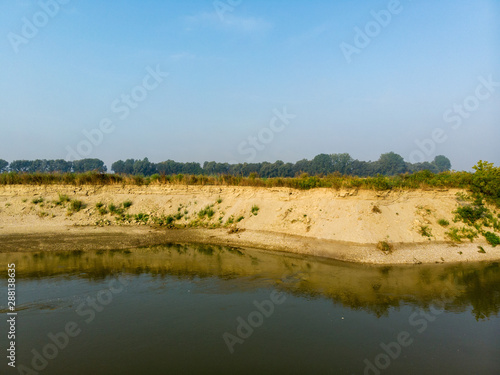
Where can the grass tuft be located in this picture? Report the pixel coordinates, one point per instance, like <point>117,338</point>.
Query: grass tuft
<point>443,222</point>
<point>385,246</point>
<point>76,205</point>
<point>255,209</point>
<point>425,231</point>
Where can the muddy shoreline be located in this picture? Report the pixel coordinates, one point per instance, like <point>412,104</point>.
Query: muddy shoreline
<point>92,238</point>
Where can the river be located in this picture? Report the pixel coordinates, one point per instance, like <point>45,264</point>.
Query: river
<point>199,309</point>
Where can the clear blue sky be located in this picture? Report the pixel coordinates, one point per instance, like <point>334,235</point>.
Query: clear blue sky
<point>230,71</point>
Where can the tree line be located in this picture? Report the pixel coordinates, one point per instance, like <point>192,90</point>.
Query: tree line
<point>389,164</point>
<point>51,166</point>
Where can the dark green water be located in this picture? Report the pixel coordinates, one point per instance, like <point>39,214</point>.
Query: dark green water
<point>179,310</point>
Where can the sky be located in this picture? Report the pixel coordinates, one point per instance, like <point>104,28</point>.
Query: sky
<point>250,80</point>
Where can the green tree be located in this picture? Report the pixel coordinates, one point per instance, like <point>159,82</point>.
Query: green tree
<point>209,168</point>
<point>390,164</point>
<point>21,165</point>
<point>192,168</point>
<point>363,168</point>
<point>247,168</point>
<point>118,167</point>
<point>88,165</point>
<point>3,165</point>
<point>144,167</point>
<point>342,163</point>
<point>425,166</point>
<point>486,180</point>
<point>302,166</point>
<point>170,167</point>
<point>221,168</point>
<point>285,170</point>
<point>322,163</point>
<point>59,165</point>
<point>442,163</point>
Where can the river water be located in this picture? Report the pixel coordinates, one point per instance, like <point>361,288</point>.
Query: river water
<point>193,309</point>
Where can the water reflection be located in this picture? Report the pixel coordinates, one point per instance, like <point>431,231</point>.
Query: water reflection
<point>375,289</point>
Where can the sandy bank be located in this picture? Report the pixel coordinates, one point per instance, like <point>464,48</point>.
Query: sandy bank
<point>345,225</point>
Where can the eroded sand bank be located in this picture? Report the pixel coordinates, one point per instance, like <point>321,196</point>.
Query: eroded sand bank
<point>345,225</point>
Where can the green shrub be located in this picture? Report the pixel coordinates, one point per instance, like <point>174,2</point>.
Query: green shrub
<point>255,209</point>
<point>458,235</point>
<point>468,233</point>
<point>103,222</point>
<point>454,235</point>
<point>139,180</point>
<point>425,231</point>
<point>443,222</point>
<point>486,180</point>
<point>203,212</point>
<point>37,200</point>
<point>141,218</point>
<point>101,208</point>
<point>127,204</point>
<point>469,214</point>
<point>115,210</point>
<point>385,246</point>
<point>76,205</point>
<point>492,238</point>
<point>207,211</point>
<point>62,200</point>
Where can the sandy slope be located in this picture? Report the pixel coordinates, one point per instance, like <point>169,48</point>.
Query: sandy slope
<point>324,222</point>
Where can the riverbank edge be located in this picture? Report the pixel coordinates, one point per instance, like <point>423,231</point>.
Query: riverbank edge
<point>90,238</point>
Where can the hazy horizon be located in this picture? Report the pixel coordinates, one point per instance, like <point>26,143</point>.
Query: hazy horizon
<point>250,81</point>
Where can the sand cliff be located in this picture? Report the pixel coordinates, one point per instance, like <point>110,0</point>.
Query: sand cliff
<point>345,225</point>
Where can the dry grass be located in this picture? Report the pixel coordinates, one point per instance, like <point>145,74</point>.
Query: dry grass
<point>418,180</point>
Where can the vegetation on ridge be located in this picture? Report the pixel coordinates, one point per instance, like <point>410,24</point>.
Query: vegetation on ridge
<point>388,164</point>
